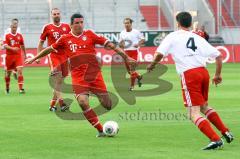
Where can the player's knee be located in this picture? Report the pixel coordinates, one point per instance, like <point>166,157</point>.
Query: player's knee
<point>107,104</point>
<point>82,102</point>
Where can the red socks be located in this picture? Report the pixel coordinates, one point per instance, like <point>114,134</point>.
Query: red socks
<point>214,118</point>
<point>20,82</point>
<point>134,75</point>
<point>206,129</point>
<point>53,102</point>
<point>60,101</point>
<point>91,116</point>
<point>7,81</point>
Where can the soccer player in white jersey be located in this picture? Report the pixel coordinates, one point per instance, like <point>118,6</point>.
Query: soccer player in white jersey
<point>190,53</point>
<point>131,40</point>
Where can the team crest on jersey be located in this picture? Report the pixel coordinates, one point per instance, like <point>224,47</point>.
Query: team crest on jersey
<point>73,47</point>
<point>56,35</point>
<point>84,38</point>
<point>12,42</point>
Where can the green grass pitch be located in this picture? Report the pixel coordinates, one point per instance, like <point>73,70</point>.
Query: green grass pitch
<point>29,131</point>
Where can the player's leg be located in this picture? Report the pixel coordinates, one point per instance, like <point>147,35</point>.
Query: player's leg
<point>205,127</point>
<point>105,100</point>
<point>7,80</point>
<point>57,91</point>
<point>191,82</point>
<point>210,113</point>
<point>57,79</point>
<point>15,74</point>
<point>215,119</point>
<point>20,79</point>
<point>90,115</point>
<point>133,54</point>
<point>9,66</point>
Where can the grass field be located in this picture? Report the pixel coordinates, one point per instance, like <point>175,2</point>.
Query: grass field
<point>29,131</point>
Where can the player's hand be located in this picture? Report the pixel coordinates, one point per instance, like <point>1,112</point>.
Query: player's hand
<point>29,61</point>
<point>136,45</point>
<point>15,48</point>
<point>150,67</point>
<point>37,61</point>
<point>217,79</point>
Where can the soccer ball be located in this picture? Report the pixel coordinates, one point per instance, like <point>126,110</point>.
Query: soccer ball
<point>111,128</point>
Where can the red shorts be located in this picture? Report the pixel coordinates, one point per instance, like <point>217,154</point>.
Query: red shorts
<point>58,64</point>
<point>133,54</point>
<point>81,85</point>
<point>195,86</point>
<point>13,61</point>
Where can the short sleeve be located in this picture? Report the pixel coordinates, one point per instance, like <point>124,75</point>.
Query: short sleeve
<point>6,40</point>
<point>208,50</point>
<point>22,40</point>
<point>59,43</point>
<point>165,46</point>
<point>99,39</point>
<point>120,37</point>
<point>43,35</point>
<point>140,36</point>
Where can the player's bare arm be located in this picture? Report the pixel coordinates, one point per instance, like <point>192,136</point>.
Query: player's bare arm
<point>117,50</point>
<point>24,52</point>
<point>43,53</point>
<point>157,58</point>
<point>39,49</point>
<point>121,44</point>
<point>217,79</point>
<point>7,47</point>
<point>140,43</point>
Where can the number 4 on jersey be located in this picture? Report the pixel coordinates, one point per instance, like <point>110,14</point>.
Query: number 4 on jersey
<point>191,44</point>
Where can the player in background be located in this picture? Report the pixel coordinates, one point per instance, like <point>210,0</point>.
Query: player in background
<point>131,40</point>
<point>52,32</point>
<point>87,78</point>
<point>8,30</point>
<point>14,43</point>
<point>205,34</point>
<point>199,31</point>
<point>190,53</point>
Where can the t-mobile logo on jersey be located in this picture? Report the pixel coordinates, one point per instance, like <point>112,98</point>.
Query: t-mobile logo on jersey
<point>73,47</point>
<point>56,35</point>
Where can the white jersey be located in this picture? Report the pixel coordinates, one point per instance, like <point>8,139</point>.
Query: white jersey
<point>187,49</point>
<point>131,38</point>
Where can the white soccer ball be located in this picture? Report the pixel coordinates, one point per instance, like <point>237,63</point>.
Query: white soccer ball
<point>111,128</point>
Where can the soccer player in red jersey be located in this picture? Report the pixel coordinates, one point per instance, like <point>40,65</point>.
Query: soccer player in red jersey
<point>190,53</point>
<point>87,78</point>
<point>14,45</point>
<point>131,40</point>
<point>52,32</point>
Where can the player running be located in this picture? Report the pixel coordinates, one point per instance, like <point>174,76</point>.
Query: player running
<point>52,32</point>
<point>190,53</point>
<point>131,40</point>
<point>87,78</point>
<point>14,45</point>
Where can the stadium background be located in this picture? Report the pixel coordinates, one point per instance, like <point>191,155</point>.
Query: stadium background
<point>155,18</point>
<point>28,130</point>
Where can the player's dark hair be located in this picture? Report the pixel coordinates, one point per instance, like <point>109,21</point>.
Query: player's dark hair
<point>76,15</point>
<point>15,19</point>
<point>184,19</point>
<point>130,20</point>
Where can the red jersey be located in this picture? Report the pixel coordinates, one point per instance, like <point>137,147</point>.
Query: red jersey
<point>53,32</point>
<point>200,33</point>
<point>13,40</point>
<point>81,50</point>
